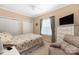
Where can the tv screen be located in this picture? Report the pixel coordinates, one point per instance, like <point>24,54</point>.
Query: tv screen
<point>67,20</point>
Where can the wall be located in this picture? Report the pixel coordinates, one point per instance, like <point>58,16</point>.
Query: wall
<point>15,16</point>
<point>64,30</point>
<point>27,27</point>
<point>58,14</point>
<point>9,25</point>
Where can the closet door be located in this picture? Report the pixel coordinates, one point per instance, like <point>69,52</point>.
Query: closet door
<point>9,25</point>
<point>27,27</point>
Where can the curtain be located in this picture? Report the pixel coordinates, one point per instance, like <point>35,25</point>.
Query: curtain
<point>53,28</point>
<point>40,25</point>
<point>27,27</point>
<point>9,25</point>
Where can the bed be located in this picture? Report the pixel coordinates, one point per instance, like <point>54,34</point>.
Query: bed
<point>24,43</point>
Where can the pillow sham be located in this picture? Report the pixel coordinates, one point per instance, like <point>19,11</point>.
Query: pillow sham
<point>6,38</point>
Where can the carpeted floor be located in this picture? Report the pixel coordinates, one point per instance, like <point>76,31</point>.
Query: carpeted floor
<point>43,50</point>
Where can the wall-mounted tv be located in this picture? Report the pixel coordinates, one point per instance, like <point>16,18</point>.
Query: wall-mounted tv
<point>69,19</point>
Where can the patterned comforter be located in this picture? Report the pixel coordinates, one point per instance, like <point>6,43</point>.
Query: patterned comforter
<point>22,42</point>
<point>27,41</point>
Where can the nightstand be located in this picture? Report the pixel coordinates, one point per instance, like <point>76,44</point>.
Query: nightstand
<point>13,51</point>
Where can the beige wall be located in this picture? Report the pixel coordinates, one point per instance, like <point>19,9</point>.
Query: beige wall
<point>19,17</point>
<point>58,14</point>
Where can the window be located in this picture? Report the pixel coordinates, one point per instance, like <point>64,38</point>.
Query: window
<point>46,27</point>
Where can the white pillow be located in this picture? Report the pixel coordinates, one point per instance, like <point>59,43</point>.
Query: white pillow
<point>6,38</point>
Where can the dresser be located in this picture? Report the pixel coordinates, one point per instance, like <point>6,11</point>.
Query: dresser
<point>13,51</point>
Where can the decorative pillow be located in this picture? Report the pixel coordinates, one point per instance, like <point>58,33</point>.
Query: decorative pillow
<point>6,38</point>
<point>56,45</point>
<point>69,49</point>
<point>74,40</point>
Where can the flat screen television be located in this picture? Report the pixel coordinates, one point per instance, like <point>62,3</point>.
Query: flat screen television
<point>69,19</point>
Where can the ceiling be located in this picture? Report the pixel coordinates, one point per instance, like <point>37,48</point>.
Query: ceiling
<point>31,9</point>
